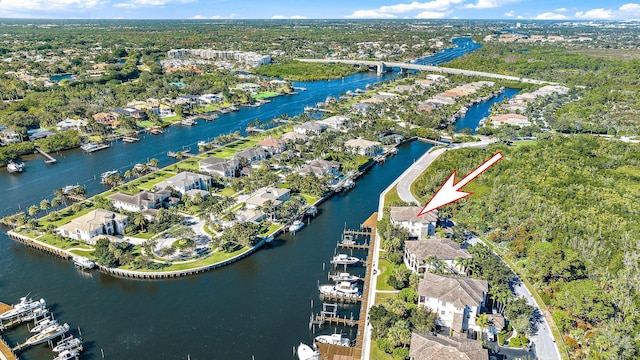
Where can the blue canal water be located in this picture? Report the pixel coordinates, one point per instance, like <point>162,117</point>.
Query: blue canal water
<point>258,307</point>
<point>58,78</point>
<point>471,118</point>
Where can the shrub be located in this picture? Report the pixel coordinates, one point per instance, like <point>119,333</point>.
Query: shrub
<point>401,353</point>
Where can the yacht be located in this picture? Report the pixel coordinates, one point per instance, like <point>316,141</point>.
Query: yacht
<point>67,355</point>
<point>105,175</point>
<point>44,324</point>
<point>334,339</point>
<point>69,343</point>
<point>348,240</point>
<point>69,188</point>
<point>83,262</point>
<point>24,307</point>
<point>312,211</point>
<point>202,143</point>
<point>35,314</point>
<point>342,288</point>
<point>297,225</point>
<point>46,335</point>
<point>344,259</point>
<point>341,277</point>
<point>348,184</point>
<point>305,352</point>
<point>14,167</point>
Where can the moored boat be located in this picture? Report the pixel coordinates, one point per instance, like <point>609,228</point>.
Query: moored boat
<point>340,277</point>
<point>334,339</point>
<point>311,211</point>
<point>14,167</point>
<point>67,355</point>
<point>305,352</point>
<point>24,307</point>
<point>342,288</point>
<point>107,174</point>
<point>297,225</point>
<point>46,335</point>
<point>68,343</point>
<point>344,259</point>
<point>44,324</point>
<point>83,262</point>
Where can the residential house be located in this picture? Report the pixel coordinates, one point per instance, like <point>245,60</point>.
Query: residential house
<point>130,112</point>
<point>364,147</point>
<point>67,124</point>
<point>425,83</point>
<point>361,107</point>
<point>108,119</point>
<point>416,253</point>
<point>9,136</point>
<point>210,98</point>
<point>456,300</point>
<point>418,226</point>
<point>428,347</point>
<point>251,154</point>
<point>276,195</point>
<point>295,137</point>
<point>273,146</point>
<point>511,119</point>
<point>334,122</point>
<point>310,128</point>
<point>321,168</point>
<point>186,181</point>
<point>226,168</point>
<point>436,78</point>
<point>144,200</point>
<point>90,226</point>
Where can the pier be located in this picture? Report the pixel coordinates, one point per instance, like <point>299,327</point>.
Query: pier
<point>349,299</point>
<point>50,159</point>
<point>329,314</point>
<point>130,139</point>
<point>177,154</point>
<point>5,349</point>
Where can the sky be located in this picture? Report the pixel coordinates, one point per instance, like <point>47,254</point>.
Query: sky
<point>325,9</point>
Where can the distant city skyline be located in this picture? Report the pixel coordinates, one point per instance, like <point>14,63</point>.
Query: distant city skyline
<point>328,9</point>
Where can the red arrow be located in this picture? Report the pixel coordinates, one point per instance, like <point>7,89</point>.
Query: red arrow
<point>449,193</point>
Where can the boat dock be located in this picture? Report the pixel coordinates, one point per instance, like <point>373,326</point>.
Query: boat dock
<point>130,139</point>
<point>5,351</point>
<point>253,129</point>
<point>50,159</point>
<point>96,147</point>
<point>349,299</point>
<point>329,314</point>
<point>176,154</point>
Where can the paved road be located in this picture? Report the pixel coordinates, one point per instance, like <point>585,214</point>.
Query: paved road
<point>411,174</point>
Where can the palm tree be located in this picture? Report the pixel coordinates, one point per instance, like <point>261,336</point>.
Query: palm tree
<point>482,320</point>
<point>128,174</point>
<point>56,201</point>
<point>153,162</point>
<point>162,215</point>
<point>45,205</point>
<point>139,220</point>
<point>33,210</point>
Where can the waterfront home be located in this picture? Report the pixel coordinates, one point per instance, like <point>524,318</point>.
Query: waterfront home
<point>295,137</point>
<point>510,119</point>
<point>108,119</point>
<point>141,201</point>
<point>418,253</point>
<point>361,107</point>
<point>276,195</point>
<point>251,154</point>
<point>425,83</point>
<point>226,168</point>
<point>418,226</point>
<point>321,168</point>
<point>10,136</point>
<point>250,87</point>
<point>437,78</point>
<point>90,226</point>
<point>427,347</point>
<point>456,300</point>
<point>130,112</point>
<point>186,181</point>
<point>364,147</point>
<point>310,128</point>
<point>210,98</point>
<point>273,146</point>
<point>334,122</point>
<point>67,124</point>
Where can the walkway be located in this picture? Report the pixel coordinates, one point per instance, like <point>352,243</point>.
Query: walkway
<point>431,68</point>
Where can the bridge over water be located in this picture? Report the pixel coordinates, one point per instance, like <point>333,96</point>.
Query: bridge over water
<point>381,65</point>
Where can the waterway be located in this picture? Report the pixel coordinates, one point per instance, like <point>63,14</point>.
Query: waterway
<point>258,307</point>
<point>476,113</point>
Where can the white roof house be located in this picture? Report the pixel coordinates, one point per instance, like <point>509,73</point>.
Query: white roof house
<point>417,251</point>
<point>511,119</point>
<point>276,195</point>
<point>67,124</point>
<point>364,147</point>
<point>225,168</point>
<point>418,226</point>
<point>90,226</point>
<point>185,181</point>
<point>334,122</point>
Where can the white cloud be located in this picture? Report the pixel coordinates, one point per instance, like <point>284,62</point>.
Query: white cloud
<point>149,3</point>
<point>596,14</point>
<point>429,9</point>
<point>487,4</point>
<point>294,17</point>
<point>561,10</point>
<point>510,13</point>
<point>432,14</point>
<point>214,17</point>
<point>550,16</point>
<point>47,5</point>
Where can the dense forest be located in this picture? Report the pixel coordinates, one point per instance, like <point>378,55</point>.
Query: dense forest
<point>300,71</point>
<point>565,210</point>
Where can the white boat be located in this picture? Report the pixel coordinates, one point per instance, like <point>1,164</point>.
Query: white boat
<point>305,352</point>
<point>348,240</point>
<point>89,147</point>
<point>312,211</point>
<point>14,167</point>
<point>67,355</point>
<point>44,324</point>
<point>49,334</point>
<point>202,143</point>
<point>69,343</point>
<point>342,288</point>
<point>340,277</point>
<point>393,151</point>
<point>107,174</point>
<point>348,184</point>
<point>35,314</point>
<point>297,225</point>
<point>69,188</point>
<point>83,262</point>
<point>344,259</point>
<point>334,339</point>
<point>24,307</point>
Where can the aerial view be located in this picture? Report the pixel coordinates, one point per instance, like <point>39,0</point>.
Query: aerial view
<point>384,180</point>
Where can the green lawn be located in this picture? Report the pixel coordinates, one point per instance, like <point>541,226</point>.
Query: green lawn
<point>218,256</point>
<point>227,192</point>
<point>271,229</point>
<point>382,297</point>
<point>310,199</point>
<point>392,197</point>
<point>85,253</point>
<point>172,118</point>
<point>149,181</point>
<point>265,94</point>
<point>377,354</point>
<point>224,153</point>
<point>188,165</point>
<point>66,216</point>
<point>518,143</point>
<point>386,269</point>
<point>64,243</point>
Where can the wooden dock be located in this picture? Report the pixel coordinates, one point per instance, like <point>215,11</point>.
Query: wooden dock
<point>335,320</point>
<point>130,139</point>
<point>50,159</point>
<point>5,351</point>
<point>351,299</point>
<point>176,154</point>
<point>353,246</point>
